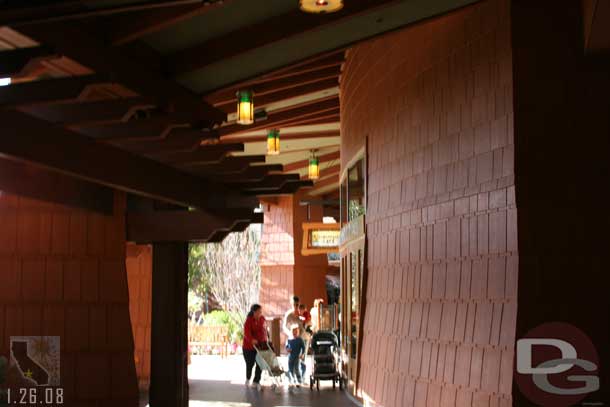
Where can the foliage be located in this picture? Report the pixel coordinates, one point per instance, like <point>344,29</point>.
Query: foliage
<point>230,271</point>
<point>224,318</point>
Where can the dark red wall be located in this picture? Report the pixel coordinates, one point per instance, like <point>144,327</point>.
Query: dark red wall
<point>435,102</point>
<point>562,133</point>
<point>62,273</point>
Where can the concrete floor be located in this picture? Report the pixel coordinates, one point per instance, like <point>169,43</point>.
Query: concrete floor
<point>216,382</point>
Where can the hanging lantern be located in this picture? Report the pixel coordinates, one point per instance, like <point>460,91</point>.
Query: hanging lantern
<point>314,166</point>
<point>245,107</point>
<point>321,6</point>
<point>273,142</point>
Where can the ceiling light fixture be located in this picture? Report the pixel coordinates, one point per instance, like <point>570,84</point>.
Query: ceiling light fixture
<point>314,166</point>
<point>321,6</point>
<point>245,107</point>
<point>273,142</point>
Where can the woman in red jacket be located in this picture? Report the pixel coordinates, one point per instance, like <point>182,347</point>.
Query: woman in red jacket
<point>255,333</point>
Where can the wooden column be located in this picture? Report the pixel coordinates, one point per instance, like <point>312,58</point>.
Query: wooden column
<point>169,381</point>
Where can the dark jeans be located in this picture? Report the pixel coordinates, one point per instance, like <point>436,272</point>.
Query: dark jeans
<point>250,358</point>
<point>295,368</point>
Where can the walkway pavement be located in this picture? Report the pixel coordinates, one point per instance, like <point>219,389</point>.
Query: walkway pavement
<point>216,382</point>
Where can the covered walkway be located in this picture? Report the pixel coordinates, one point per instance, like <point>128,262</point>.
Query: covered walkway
<point>216,382</point>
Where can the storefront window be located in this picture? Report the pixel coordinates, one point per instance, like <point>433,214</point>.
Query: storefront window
<point>355,190</point>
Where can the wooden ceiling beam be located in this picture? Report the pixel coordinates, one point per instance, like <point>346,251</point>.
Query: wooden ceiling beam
<point>295,166</point>
<point>177,140</point>
<point>289,187</point>
<point>278,118</point>
<point>323,183</point>
<point>154,128</point>
<point>31,140</point>
<point>89,113</point>
<point>13,61</point>
<point>252,174</point>
<point>274,86</point>
<point>74,41</point>
<point>47,91</point>
<point>269,31</point>
<point>227,165</point>
<point>272,181</point>
<point>182,226</point>
<point>130,27</point>
<point>203,155</point>
<point>283,137</point>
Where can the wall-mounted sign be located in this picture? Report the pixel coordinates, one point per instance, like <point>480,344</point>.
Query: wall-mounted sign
<point>320,238</point>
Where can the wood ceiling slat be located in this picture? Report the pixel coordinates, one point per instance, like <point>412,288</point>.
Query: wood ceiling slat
<point>155,128</point>
<point>304,163</point>
<point>323,61</point>
<point>270,181</point>
<point>284,137</point>
<point>277,85</point>
<point>277,118</point>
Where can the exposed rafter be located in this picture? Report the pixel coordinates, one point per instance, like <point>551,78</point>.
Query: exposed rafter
<point>304,163</point>
<point>13,61</point>
<point>291,114</point>
<point>129,27</point>
<point>89,113</point>
<point>31,140</point>
<point>228,165</point>
<point>74,41</point>
<point>189,226</point>
<point>177,140</point>
<point>204,154</point>
<point>277,85</point>
<point>48,90</point>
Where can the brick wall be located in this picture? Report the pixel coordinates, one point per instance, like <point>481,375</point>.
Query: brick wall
<point>139,275</point>
<point>62,273</point>
<point>435,103</point>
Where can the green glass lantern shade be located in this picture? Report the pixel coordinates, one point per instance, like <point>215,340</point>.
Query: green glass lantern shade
<point>273,142</point>
<point>245,107</point>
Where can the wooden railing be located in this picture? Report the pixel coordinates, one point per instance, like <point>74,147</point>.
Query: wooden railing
<point>202,337</point>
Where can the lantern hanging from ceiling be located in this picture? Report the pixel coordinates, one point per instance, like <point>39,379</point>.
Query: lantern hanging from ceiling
<point>321,6</point>
<point>273,142</point>
<point>314,166</point>
<point>245,107</point>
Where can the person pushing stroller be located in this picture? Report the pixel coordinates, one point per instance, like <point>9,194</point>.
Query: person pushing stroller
<point>296,349</point>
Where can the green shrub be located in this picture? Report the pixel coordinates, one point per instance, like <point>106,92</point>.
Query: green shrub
<point>224,318</point>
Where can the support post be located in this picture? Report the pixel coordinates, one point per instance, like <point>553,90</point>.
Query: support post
<point>168,376</point>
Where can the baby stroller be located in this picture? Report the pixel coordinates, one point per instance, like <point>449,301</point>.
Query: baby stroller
<point>325,349</point>
<point>268,362</point>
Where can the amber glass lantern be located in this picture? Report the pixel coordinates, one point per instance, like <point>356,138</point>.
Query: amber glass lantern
<point>273,142</point>
<point>245,107</point>
<point>321,6</point>
<point>314,166</point>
